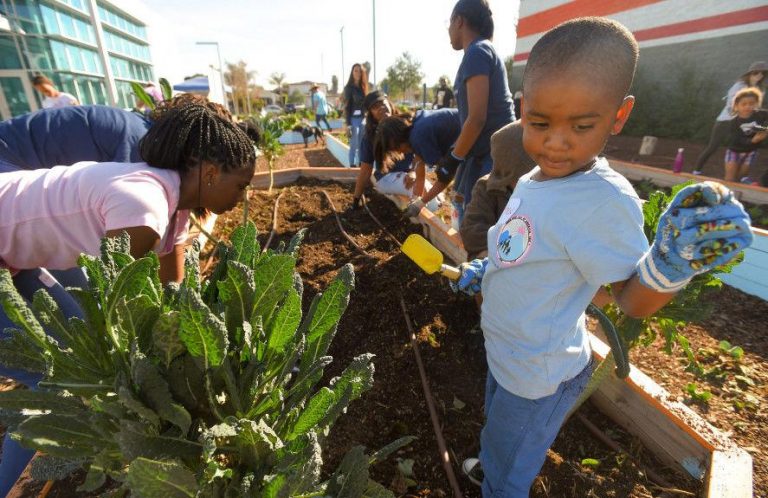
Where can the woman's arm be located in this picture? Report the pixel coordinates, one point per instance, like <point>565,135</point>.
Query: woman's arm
<point>420,170</point>
<point>172,265</point>
<point>143,239</point>
<point>363,179</point>
<point>477,101</point>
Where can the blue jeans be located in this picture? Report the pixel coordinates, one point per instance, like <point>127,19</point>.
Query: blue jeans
<point>15,458</point>
<point>518,431</point>
<point>356,128</point>
<point>319,118</point>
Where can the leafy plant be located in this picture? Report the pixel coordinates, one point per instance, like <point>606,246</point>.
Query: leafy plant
<point>688,305</point>
<point>269,143</point>
<point>148,99</point>
<point>698,396</point>
<point>208,388</point>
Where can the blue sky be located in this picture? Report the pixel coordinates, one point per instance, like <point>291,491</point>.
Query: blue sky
<point>301,37</point>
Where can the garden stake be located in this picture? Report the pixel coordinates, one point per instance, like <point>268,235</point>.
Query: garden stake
<point>444,457</point>
<point>274,222</point>
<point>653,476</point>
<point>341,227</point>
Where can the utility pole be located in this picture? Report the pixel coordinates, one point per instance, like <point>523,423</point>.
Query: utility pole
<point>374,42</point>
<point>341,31</point>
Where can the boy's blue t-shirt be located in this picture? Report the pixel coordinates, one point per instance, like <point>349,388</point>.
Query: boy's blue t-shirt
<point>480,58</point>
<point>554,245</point>
<point>366,156</point>
<point>67,135</point>
<point>321,103</point>
<point>434,133</point>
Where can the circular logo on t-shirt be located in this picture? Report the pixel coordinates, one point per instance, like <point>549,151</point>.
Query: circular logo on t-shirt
<point>514,240</point>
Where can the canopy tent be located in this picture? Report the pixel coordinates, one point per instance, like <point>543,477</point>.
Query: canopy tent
<point>206,85</point>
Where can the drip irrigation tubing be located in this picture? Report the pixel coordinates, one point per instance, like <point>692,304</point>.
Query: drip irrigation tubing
<point>381,225</point>
<point>653,476</point>
<point>274,222</point>
<point>444,456</point>
<point>341,227</point>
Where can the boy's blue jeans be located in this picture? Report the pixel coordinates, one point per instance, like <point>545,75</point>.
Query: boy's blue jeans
<point>518,432</point>
<point>356,129</point>
<point>14,457</point>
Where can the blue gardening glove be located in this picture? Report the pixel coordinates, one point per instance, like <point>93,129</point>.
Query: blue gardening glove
<point>703,227</point>
<point>414,208</point>
<point>471,277</point>
<point>447,166</point>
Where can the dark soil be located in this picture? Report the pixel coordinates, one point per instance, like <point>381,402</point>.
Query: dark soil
<point>298,156</point>
<point>450,344</point>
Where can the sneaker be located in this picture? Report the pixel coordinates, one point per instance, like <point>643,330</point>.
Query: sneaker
<point>747,180</point>
<point>697,172</point>
<point>473,471</point>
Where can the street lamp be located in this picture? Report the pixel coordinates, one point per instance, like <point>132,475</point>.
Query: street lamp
<point>342,52</point>
<point>374,43</point>
<point>221,68</point>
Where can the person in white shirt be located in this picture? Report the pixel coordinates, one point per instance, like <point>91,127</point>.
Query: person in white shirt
<point>53,97</point>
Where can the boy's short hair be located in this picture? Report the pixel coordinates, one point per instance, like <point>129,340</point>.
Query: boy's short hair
<point>601,49</point>
<point>748,92</point>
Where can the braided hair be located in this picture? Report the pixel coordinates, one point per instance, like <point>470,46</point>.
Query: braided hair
<point>392,132</point>
<point>188,131</point>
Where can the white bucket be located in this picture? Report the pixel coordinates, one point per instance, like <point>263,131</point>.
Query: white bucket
<point>648,145</point>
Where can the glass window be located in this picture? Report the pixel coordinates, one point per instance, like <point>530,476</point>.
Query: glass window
<point>49,19</point>
<point>9,56</point>
<point>39,53</point>
<point>67,25</point>
<point>60,54</point>
<point>15,96</point>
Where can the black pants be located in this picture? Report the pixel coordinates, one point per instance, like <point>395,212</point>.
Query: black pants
<point>716,139</point>
<point>321,117</point>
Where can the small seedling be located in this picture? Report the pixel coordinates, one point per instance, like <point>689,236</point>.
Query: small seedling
<point>590,462</point>
<point>698,396</point>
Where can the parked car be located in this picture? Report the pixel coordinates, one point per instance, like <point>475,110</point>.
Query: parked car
<point>271,109</point>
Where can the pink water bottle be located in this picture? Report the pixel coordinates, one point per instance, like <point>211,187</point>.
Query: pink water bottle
<point>677,166</point>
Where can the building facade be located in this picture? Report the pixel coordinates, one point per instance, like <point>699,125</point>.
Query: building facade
<point>711,41</point>
<point>92,49</point>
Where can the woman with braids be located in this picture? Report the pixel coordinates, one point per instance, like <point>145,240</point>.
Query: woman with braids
<point>194,158</point>
<point>483,100</point>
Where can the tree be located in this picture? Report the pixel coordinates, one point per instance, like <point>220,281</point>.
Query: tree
<point>334,84</point>
<point>404,74</point>
<point>277,79</point>
<point>296,97</point>
<point>239,78</point>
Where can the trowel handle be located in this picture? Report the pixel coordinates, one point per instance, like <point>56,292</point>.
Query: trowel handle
<point>450,271</point>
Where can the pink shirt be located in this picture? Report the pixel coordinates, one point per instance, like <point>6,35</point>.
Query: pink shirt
<point>48,217</point>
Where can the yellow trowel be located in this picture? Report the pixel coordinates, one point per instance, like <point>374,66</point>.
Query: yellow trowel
<point>428,257</point>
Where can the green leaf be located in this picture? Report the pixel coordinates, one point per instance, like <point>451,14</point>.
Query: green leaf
<point>350,479</point>
<point>273,276</point>
<point>281,330</point>
<point>152,479</point>
<point>18,312</point>
<point>317,408</point>
<point>357,377</point>
<point>387,450</point>
<point>154,389</point>
<point>60,435</point>
<point>132,281</point>
<point>50,468</point>
<point>166,89</point>
<point>165,337</point>
<point>142,95</point>
<point>590,462</point>
<point>130,401</point>
<point>136,318</point>
<point>135,442</point>
<point>245,246</point>
<point>236,293</point>
<point>204,335</point>
<point>376,490</point>
<point>325,313</point>
<point>295,243</point>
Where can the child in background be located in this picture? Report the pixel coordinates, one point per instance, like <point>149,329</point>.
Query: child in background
<point>429,135</point>
<point>572,225</point>
<point>53,97</point>
<point>491,192</point>
<point>747,131</point>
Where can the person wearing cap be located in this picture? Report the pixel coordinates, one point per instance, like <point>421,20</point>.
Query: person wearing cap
<point>377,107</point>
<point>753,77</point>
<point>319,105</point>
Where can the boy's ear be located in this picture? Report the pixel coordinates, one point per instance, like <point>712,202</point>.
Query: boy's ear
<point>622,115</point>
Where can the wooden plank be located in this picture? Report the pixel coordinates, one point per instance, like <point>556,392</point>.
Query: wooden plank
<point>338,149</point>
<point>281,177</point>
<point>745,285</point>
<point>729,475</point>
<point>665,178</point>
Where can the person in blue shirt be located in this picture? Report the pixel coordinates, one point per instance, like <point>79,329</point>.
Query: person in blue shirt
<point>319,105</point>
<point>377,107</point>
<point>68,135</point>
<point>428,135</point>
<point>483,100</point>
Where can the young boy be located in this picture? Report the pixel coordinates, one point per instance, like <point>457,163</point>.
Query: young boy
<point>572,225</point>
